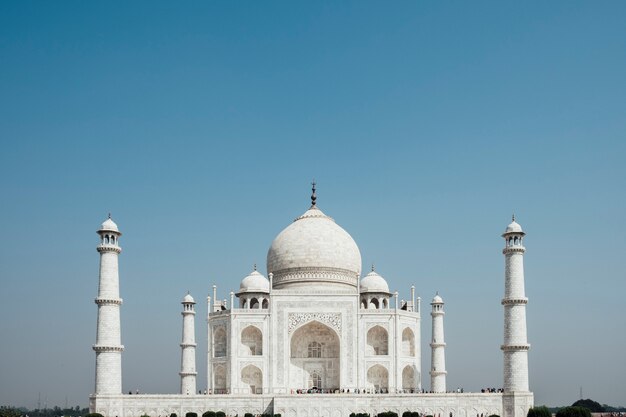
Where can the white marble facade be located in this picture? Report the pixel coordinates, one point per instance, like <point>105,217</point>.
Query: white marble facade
<point>314,325</point>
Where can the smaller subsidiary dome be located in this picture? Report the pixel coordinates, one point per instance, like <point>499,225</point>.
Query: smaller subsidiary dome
<point>255,282</point>
<point>109,224</point>
<point>373,282</point>
<point>437,299</point>
<point>188,299</point>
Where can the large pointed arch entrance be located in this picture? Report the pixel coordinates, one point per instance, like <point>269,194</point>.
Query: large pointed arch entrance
<point>314,357</point>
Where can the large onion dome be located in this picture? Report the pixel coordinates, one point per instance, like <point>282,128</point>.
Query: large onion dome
<point>314,251</point>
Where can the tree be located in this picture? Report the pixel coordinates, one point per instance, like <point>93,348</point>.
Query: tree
<point>541,411</point>
<point>573,412</point>
<point>208,414</point>
<point>190,414</point>
<point>591,405</point>
<point>9,412</point>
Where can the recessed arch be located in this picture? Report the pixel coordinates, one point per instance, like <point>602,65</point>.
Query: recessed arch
<point>378,378</point>
<point>252,377</point>
<point>408,342</point>
<point>219,342</point>
<point>251,341</point>
<point>314,356</point>
<point>219,379</point>
<point>408,378</point>
<point>377,341</point>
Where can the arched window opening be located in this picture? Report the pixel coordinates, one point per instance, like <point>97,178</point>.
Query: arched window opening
<point>385,303</point>
<point>377,341</point>
<point>265,304</point>
<point>315,350</point>
<point>315,380</point>
<point>254,303</point>
<point>364,303</point>
<point>374,303</point>
<point>106,239</point>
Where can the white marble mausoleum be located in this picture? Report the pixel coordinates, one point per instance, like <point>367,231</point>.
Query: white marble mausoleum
<point>315,337</point>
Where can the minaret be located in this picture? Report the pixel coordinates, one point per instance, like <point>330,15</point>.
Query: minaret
<point>108,345</point>
<point>438,358</point>
<point>188,345</point>
<point>515,345</point>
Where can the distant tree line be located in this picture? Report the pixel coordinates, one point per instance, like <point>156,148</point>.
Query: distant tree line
<point>581,408</point>
<point>8,411</point>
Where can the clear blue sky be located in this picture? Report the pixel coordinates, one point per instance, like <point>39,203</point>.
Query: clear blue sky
<point>200,125</point>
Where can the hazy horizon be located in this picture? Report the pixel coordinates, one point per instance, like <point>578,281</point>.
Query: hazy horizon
<point>200,126</point>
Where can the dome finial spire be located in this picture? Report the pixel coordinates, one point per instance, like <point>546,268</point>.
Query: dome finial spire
<point>313,196</point>
<point>513,217</point>
<point>255,266</point>
<point>373,267</point>
<point>109,214</point>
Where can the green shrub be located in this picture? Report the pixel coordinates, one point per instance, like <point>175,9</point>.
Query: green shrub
<point>173,415</point>
<point>388,414</point>
<point>145,415</point>
<point>541,411</point>
<point>573,412</point>
<point>190,414</point>
<point>495,415</point>
<point>220,414</point>
<point>94,415</point>
<point>248,415</point>
<point>208,414</point>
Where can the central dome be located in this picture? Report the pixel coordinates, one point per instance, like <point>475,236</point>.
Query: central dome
<point>314,250</point>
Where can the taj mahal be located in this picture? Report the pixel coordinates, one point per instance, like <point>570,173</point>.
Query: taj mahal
<point>314,337</point>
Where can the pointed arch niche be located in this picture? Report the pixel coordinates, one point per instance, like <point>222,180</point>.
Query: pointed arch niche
<point>408,342</point>
<point>377,341</point>
<point>314,357</point>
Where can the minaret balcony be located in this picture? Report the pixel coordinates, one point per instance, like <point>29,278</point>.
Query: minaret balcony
<point>436,345</point>
<point>104,348</point>
<point>104,247</point>
<point>515,348</point>
<point>186,345</point>
<point>514,301</point>
<point>513,249</point>
<point>102,301</point>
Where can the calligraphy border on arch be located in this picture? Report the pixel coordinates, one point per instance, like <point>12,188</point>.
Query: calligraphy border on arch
<point>331,319</point>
